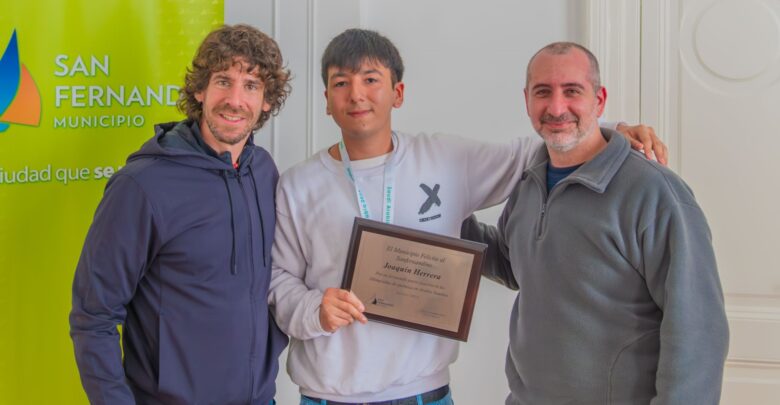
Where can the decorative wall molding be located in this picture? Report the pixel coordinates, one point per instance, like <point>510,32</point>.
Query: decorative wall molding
<point>751,383</point>
<point>311,26</point>
<point>636,44</point>
<point>614,37</point>
<point>754,313</point>
<point>274,122</point>
<point>598,30</point>
<point>769,365</point>
<point>660,72</point>
<point>755,331</point>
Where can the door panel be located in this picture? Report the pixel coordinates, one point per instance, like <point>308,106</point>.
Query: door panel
<point>711,83</point>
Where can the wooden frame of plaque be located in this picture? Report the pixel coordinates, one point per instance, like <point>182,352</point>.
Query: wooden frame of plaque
<point>414,279</point>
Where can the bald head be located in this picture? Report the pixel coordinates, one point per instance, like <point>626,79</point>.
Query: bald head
<point>562,48</point>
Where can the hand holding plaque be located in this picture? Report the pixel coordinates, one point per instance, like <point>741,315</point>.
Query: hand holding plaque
<point>340,308</point>
<point>414,279</point>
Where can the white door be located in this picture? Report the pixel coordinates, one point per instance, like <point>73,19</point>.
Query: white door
<point>710,83</point>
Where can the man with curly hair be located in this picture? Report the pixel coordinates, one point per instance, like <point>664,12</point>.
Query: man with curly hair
<point>179,249</point>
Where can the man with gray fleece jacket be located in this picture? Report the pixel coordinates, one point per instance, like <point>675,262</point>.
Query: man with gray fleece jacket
<point>619,297</point>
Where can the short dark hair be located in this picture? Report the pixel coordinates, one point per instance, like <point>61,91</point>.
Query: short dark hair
<point>226,46</point>
<point>354,46</point>
<point>562,48</point>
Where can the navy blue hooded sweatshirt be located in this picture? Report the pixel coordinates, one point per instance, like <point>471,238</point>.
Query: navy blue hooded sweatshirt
<point>179,255</point>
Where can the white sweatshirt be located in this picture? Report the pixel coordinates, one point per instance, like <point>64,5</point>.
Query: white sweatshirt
<point>316,207</point>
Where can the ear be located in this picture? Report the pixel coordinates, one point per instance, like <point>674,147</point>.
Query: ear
<point>266,106</point>
<point>398,89</point>
<point>199,96</point>
<point>327,104</point>
<point>601,96</point>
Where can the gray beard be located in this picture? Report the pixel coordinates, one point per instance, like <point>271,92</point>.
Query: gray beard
<point>563,147</point>
<point>579,135</point>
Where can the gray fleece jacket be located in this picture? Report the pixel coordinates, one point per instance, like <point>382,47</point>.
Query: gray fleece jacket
<point>619,297</point>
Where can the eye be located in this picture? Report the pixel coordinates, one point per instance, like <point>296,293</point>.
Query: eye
<point>572,92</point>
<point>372,80</point>
<point>252,86</point>
<point>340,83</point>
<point>222,83</point>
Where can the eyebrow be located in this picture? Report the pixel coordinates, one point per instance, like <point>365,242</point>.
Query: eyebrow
<point>574,84</point>
<point>339,73</point>
<point>220,76</point>
<point>565,85</point>
<point>254,81</point>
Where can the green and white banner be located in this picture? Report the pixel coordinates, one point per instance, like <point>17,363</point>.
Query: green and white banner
<point>82,84</point>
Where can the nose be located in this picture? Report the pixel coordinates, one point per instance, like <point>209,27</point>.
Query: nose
<point>356,92</point>
<point>233,97</point>
<point>557,105</point>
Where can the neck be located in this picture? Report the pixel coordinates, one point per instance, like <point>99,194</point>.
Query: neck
<point>235,150</point>
<point>359,149</point>
<point>220,147</point>
<point>589,147</point>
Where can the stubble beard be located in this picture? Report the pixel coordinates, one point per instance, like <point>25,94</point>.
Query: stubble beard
<point>223,138</point>
<point>219,136</point>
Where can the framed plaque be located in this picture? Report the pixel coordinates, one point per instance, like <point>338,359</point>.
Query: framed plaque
<point>414,279</point>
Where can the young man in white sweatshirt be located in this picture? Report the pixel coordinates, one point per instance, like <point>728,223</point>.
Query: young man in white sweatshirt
<point>430,183</point>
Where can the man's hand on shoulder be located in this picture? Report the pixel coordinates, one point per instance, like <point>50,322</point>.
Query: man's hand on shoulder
<point>340,308</point>
<point>643,139</point>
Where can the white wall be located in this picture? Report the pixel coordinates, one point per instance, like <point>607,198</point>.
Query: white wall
<point>465,72</point>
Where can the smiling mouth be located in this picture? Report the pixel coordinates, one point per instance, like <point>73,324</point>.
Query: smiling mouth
<point>231,118</point>
<point>558,123</point>
<point>360,113</point>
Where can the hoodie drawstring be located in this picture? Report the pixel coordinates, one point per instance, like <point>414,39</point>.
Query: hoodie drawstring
<point>233,269</point>
<point>259,212</point>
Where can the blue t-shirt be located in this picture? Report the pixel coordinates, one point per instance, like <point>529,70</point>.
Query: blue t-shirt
<point>556,174</point>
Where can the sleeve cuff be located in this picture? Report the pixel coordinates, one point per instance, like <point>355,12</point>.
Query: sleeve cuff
<point>313,325</point>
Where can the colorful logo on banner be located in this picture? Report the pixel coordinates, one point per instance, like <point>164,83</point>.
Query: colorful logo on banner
<point>20,100</point>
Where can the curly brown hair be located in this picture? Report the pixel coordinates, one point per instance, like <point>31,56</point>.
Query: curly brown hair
<point>220,50</point>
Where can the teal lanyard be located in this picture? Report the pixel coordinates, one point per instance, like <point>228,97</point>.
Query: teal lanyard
<point>388,183</point>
